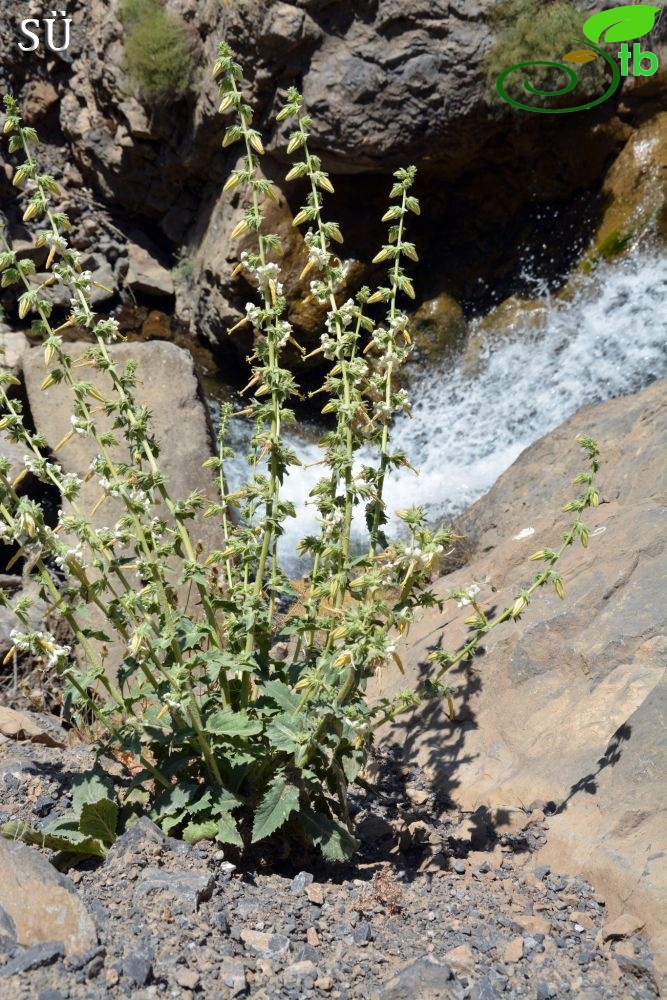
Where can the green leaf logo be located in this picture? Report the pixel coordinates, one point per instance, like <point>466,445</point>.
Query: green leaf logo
<point>622,24</point>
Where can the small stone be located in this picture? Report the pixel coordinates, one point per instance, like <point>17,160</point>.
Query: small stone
<point>461,959</point>
<point>582,921</point>
<point>111,977</point>
<point>484,990</point>
<point>50,995</point>
<point>460,867</point>
<point>187,978</point>
<point>532,924</point>
<point>324,983</point>
<point>513,951</point>
<point>34,958</point>
<point>541,871</point>
<point>263,944</point>
<point>640,968</point>
<point>312,937</point>
<point>300,970</point>
<point>233,976</point>
<point>138,967</point>
<point>300,881</point>
<point>417,796</point>
<point>315,893</point>
<point>622,927</point>
<point>188,887</point>
<point>423,977</point>
<point>585,957</point>
<point>362,933</point>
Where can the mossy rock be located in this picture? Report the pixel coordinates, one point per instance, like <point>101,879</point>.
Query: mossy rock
<point>635,190</point>
<point>438,326</point>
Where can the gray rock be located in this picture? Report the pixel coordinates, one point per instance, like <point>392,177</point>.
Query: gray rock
<point>639,968</point>
<point>422,979</point>
<point>138,966</point>
<point>233,976</point>
<point>34,958</point>
<point>484,990</point>
<point>300,881</point>
<point>460,867</point>
<point>263,944</point>
<point>362,933</point>
<point>188,887</point>
<point>41,903</point>
<point>146,274</point>
<point>146,836</point>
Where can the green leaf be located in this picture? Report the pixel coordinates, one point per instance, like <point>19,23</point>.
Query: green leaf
<point>229,723</point>
<point>228,832</point>
<point>333,839</point>
<point>91,787</point>
<point>278,804</point>
<point>70,842</point>
<point>280,693</point>
<point>622,24</point>
<point>207,830</point>
<point>287,733</point>
<point>99,820</point>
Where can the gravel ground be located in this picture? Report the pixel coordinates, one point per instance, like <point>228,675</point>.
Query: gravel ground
<point>435,905</point>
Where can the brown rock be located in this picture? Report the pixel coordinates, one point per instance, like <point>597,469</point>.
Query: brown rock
<point>21,726</point>
<point>583,919</point>
<point>636,189</point>
<point>39,98</point>
<point>461,959</point>
<point>438,325</point>
<point>513,951</point>
<point>533,925</point>
<point>312,937</point>
<point>39,904</point>
<point>622,927</point>
<point>588,671</point>
<point>187,978</point>
<point>146,274</point>
<point>315,893</point>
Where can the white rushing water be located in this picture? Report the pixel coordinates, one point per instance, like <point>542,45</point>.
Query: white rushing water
<point>466,429</point>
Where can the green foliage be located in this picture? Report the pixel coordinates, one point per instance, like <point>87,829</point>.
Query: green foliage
<point>530,30</point>
<point>87,830</point>
<point>159,51</point>
<point>245,723</point>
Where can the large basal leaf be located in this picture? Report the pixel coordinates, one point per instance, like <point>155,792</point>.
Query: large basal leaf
<point>278,804</point>
<point>333,839</point>
<point>99,820</point>
<point>69,842</point>
<point>228,723</point>
<point>622,24</point>
<point>91,787</point>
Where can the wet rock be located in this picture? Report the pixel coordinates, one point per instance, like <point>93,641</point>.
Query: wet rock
<point>190,888</point>
<point>41,905</point>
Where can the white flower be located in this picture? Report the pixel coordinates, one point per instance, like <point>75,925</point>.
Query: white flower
<point>472,592</point>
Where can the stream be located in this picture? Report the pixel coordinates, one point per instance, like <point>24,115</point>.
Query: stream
<point>609,339</point>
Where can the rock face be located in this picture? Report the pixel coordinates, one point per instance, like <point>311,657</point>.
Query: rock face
<point>38,905</point>
<point>167,386</point>
<point>566,706</point>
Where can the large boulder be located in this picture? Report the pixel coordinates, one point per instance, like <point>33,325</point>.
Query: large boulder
<point>565,707</point>
<point>38,904</point>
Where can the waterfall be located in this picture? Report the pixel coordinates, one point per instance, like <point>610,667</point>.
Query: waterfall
<point>609,339</point>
